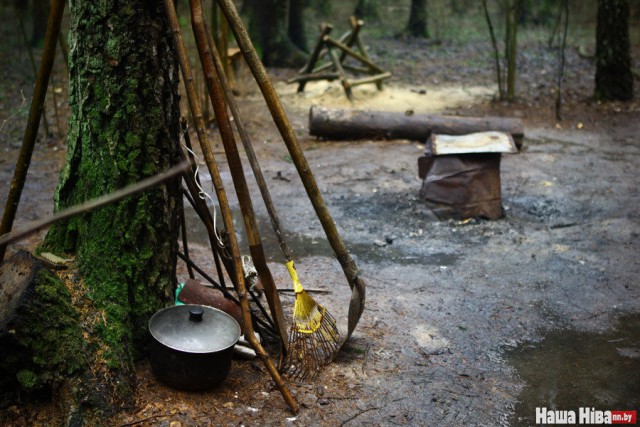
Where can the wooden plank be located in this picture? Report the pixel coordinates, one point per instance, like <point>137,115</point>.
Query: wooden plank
<point>478,142</point>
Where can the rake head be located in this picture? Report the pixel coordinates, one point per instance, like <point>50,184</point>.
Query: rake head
<point>313,339</point>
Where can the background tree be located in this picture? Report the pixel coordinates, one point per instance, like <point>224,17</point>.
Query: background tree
<point>124,126</point>
<point>367,9</point>
<point>269,28</point>
<point>40,13</point>
<point>506,81</point>
<point>296,24</point>
<point>417,26</point>
<point>536,12</point>
<point>513,8</point>
<point>614,79</point>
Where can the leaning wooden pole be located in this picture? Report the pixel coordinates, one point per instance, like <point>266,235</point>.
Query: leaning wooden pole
<point>217,97</point>
<point>33,122</point>
<point>356,283</point>
<point>306,352</point>
<point>94,204</point>
<point>224,203</point>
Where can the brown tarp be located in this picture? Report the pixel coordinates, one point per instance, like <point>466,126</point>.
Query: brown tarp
<point>462,186</point>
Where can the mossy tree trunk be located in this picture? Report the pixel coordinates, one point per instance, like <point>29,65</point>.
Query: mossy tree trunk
<point>614,79</point>
<point>124,126</point>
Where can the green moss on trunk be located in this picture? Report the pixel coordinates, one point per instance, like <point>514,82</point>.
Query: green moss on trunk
<point>124,127</point>
<point>43,344</point>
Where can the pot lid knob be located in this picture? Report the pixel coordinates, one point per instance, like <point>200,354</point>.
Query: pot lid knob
<point>195,314</point>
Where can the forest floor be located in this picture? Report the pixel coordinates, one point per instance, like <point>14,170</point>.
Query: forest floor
<point>469,322</point>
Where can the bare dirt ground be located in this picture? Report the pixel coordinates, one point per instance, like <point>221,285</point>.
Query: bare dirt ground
<point>456,310</point>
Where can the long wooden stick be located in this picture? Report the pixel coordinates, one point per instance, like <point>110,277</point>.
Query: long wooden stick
<point>356,25</point>
<point>32,60</point>
<point>496,55</point>
<point>251,155</point>
<point>346,49</point>
<point>356,283</point>
<point>325,29</point>
<point>217,97</point>
<point>314,345</point>
<point>93,204</point>
<point>224,203</point>
<point>35,113</point>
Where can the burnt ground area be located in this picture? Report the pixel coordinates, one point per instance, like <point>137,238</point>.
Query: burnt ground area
<point>462,317</point>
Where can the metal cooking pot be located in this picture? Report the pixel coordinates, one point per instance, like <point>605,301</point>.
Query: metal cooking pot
<point>192,345</point>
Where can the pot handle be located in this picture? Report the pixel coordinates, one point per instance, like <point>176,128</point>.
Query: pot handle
<point>195,314</point>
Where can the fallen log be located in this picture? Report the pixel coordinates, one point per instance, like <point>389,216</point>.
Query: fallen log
<point>341,124</point>
<point>41,335</point>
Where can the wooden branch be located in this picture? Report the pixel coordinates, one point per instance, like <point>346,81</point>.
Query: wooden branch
<point>349,268</point>
<point>343,77</point>
<point>35,113</point>
<point>356,69</point>
<point>352,53</point>
<point>232,19</point>
<point>356,25</point>
<point>325,30</point>
<point>372,79</point>
<point>314,76</point>
<point>95,203</point>
<point>218,99</point>
<point>323,67</point>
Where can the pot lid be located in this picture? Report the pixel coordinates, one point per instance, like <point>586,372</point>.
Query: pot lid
<point>194,328</point>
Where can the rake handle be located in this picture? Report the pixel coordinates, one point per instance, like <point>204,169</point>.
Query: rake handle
<point>358,286</point>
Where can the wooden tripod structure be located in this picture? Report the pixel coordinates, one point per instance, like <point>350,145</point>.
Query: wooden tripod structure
<point>335,67</point>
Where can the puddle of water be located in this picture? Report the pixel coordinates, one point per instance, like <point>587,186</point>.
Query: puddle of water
<point>304,246</point>
<point>570,370</point>
<point>300,245</point>
<point>371,253</point>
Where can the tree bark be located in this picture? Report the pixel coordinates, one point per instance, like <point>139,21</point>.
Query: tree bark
<point>41,338</point>
<point>124,127</point>
<point>614,79</point>
<point>511,45</point>
<point>418,26</point>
